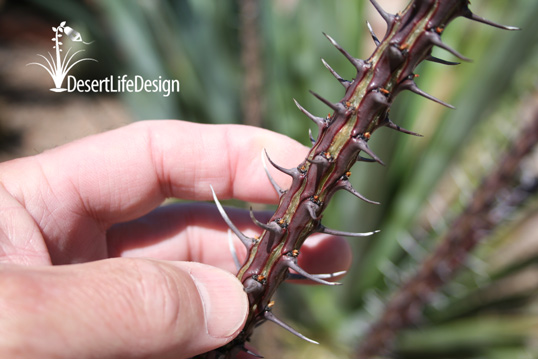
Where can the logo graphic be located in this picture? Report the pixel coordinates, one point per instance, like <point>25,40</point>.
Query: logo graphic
<point>59,67</point>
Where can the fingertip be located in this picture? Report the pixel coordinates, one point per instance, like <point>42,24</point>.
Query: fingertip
<point>122,308</point>
<point>224,301</point>
<point>249,181</point>
<point>212,308</point>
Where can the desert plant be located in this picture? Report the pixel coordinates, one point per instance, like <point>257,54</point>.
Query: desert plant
<point>342,138</point>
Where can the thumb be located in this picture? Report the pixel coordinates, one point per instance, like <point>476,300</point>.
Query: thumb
<point>118,308</point>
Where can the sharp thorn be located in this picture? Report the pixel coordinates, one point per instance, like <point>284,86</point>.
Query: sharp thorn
<point>412,86</point>
<point>233,251</point>
<point>297,276</point>
<point>469,15</point>
<point>364,159</point>
<point>292,263</point>
<point>358,63</point>
<point>363,146</point>
<point>323,229</point>
<point>290,172</point>
<point>337,107</point>
<point>244,239</point>
<point>331,275</point>
<point>441,61</point>
<point>318,160</point>
<point>348,187</point>
<point>376,40</point>
<point>312,209</point>
<point>344,82</point>
<point>312,139</point>
<point>385,15</point>
<point>271,227</point>
<point>317,120</point>
<point>277,188</point>
<point>250,352</point>
<point>271,317</point>
<point>390,124</point>
<point>251,285</point>
<point>435,38</point>
<point>380,97</point>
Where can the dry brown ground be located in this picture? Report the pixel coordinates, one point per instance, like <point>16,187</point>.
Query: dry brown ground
<point>33,119</point>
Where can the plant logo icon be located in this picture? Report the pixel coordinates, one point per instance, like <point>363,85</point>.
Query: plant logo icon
<point>59,67</point>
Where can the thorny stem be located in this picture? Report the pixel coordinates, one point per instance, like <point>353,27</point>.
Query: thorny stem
<point>342,137</point>
<point>467,230</point>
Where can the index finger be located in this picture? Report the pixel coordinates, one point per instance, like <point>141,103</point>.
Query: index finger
<point>122,174</point>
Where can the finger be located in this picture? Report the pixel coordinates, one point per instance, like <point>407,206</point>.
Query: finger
<point>119,175</point>
<point>75,192</point>
<point>26,248</point>
<point>118,308</point>
<point>185,232</point>
<point>196,232</point>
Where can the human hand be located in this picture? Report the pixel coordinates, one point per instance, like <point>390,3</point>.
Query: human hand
<point>91,269</point>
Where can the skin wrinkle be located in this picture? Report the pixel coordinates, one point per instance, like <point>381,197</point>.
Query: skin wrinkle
<point>86,208</point>
<point>204,175</point>
<point>11,238</point>
<point>44,205</point>
<point>193,173</point>
<point>10,253</point>
<point>149,278</point>
<point>119,190</point>
<point>29,251</point>
<point>51,229</point>
<point>156,158</point>
<point>123,291</point>
<point>173,306</point>
<point>80,216</point>
<point>226,165</point>
<point>159,279</point>
<point>139,322</point>
<point>105,183</point>
<point>87,212</point>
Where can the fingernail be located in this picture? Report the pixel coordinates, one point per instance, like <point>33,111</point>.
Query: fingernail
<point>224,301</point>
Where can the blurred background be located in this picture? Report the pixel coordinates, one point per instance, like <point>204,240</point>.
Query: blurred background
<point>243,61</point>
